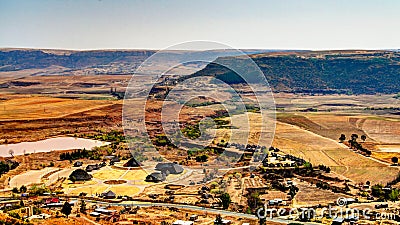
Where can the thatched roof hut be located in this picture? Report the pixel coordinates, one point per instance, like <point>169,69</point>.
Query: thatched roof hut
<point>169,168</point>
<point>79,175</point>
<point>156,177</point>
<point>132,163</point>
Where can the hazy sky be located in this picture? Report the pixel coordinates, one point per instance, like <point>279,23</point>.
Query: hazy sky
<point>140,24</point>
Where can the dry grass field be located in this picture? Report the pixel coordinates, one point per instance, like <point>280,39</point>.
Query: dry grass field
<point>29,108</point>
<point>310,195</point>
<point>318,149</point>
<point>382,132</point>
<point>312,136</point>
<point>155,215</point>
<point>39,118</point>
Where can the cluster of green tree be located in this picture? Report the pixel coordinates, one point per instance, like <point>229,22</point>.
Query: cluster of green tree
<point>274,149</point>
<point>112,136</point>
<point>293,191</point>
<point>307,170</point>
<point>117,95</point>
<point>22,189</point>
<point>277,174</point>
<point>226,200</point>
<point>252,108</point>
<point>36,190</point>
<point>254,202</point>
<point>161,140</point>
<point>220,123</point>
<point>280,186</point>
<point>326,186</point>
<point>202,158</point>
<point>78,154</point>
<point>192,131</point>
<point>327,169</point>
<point>334,74</point>
<point>384,194</point>
<point>7,165</point>
<point>354,144</point>
<point>198,104</point>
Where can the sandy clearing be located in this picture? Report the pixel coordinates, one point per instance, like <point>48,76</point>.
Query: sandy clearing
<point>30,177</point>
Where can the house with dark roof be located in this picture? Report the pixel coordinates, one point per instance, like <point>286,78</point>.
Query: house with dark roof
<point>132,163</point>
<point>77,164</point>
<point>156,177</point>
<point>79,175</point>
<point>109,195</point>
<point>115,159</point>
<point>169,168</point>
<point>90,168</point>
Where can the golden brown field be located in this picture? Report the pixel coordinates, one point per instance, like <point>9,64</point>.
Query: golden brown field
<point>37,107</point>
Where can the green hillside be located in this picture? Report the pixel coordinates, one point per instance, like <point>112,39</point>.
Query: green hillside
<point>369,73</point>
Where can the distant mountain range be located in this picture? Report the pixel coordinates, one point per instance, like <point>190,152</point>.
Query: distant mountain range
<point>20,59</point>
<point>352,71</point>
<point>323,72</point>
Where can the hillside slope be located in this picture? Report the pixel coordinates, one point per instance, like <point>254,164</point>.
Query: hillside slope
<point>323,72</point>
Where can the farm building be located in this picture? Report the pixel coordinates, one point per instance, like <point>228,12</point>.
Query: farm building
<point>108,194</point>
<point>132,163</point>
<point>169,168</point>
<point>80,175</point>
<point>90,168</point>
<point>155,177</point>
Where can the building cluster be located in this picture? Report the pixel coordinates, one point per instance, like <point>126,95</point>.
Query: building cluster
<point>279,160</point>
<point>163,170</point>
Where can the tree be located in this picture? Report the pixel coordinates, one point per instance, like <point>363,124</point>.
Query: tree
<point>394,195</point>
<point>262,221</point>
<point>377,191</point>
<point>395,160</point>
<point>342,137</point>
<point>226,200</point>
<point>218,219</point>
<point>11,152</point>
<point>363,137</point>
<point>254,200</point>
<point>14,190</point>
<point>23,189</point>
<point>82,207</point>
<point>354,137</point>
<point>66,209</point>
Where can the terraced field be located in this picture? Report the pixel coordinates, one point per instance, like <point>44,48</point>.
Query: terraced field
<point>319,149</point>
